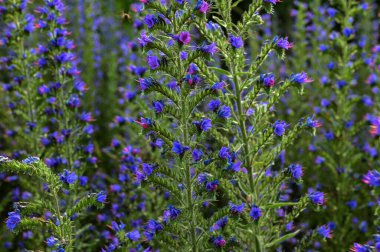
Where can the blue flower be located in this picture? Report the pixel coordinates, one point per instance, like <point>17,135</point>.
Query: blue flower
<point>372,178</point>
<point>224,112</point>
<point>212,186</point>
<point>158,106</point>
<point>179,149</point>
<point>150,20</point>
<point>267,79</point>
<point>224,153</point>
<point>14,218</point>
<point>51,241</point>
<point>31,160</point>
<point>255,212</point>
<point>325,231</point>
<point>101,197</point>
<point>219,224</point>
<point>153,226</point>
<point>197,155</point>
<point>348,32</point>
<point>236,42</point>
<point>209,49</point>
<point>236,209</point>
<point>218,86</point>
<point>153,61</point>
<point>174,212</point>
<point>214,105</point>
<point>68,177</point>
<point>204,124</point>
<point>300,78</point>
<point>357,247</point>
<point>317,197</point>
<point>279,128</point>
<point>296,171</point>
<point>133,235</point>
<point>283,43</point>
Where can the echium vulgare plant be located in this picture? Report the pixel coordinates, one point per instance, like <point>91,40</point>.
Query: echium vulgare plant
<point>341,102</point>
<point>63,131</point>
<point>17,26</point>
<point>214,113</point>
<point>130,205</point>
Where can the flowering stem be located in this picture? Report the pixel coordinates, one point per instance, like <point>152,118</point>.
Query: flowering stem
<point>188,176</point>
<point>24,71</point>
<point>247,161</point>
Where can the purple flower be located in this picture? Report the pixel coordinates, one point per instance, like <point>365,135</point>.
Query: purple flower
<point>144,122</point>
<point>219,242</point>
<point>133,235</point>
<point>202,178</point>
<point>272,1</point>
<point>331,12</point>
<point>300,78</point>
<point>68,177</point>
<point>158,106</point>
<point>255,212</point>
<point>145,39</point>
<point>329,135</point>
<point>348,32</point>
<point>174,212</point>
<point>202,6</point>
<point>31,160</point>
<point>101,197</point>
<point>296,171</point>
<point>51,241</point>
<point>218,86</point>
<point>153,226</point>
<point>325,231</point>
<point>183,55</point>
<point>224,112</point>
<point>179,149</point>
<point>145,83</point>
<point>283,43</point>
<point>317,197</point>
<point>197,155</point>
<point>150,20</point>
<point>184,37</point>
<point>219,224</point>
<point>372,178</point>
<point>224,153</point>
<point>153,61</point>
<point>214,105</point>
<point>86,117</point>
<point>311,123</point>
<point>236,209</point>
<point>236,42</point>
<point>14,218</point>
<point>357,247</point>
<point>212,186</point>
<point>209,49</point>
<point>267,79</point>
<point>83,180</point>
<point>204,124</point>
<point>279,128</point>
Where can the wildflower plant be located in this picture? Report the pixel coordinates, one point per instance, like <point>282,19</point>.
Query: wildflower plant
<point>216,117</point>
<point>57,129</point>
<point>190,125</point>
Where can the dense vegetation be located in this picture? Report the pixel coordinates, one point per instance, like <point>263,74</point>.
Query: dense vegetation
<point>189,125</point>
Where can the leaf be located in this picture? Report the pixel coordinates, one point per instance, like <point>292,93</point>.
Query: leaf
<point>281,204</point>
<point>221,22</point>
<point>220,70</point>
<point>282,239</point>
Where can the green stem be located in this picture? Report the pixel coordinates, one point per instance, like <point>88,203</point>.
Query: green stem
<point>189,185</point>
<point>28,91</point>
